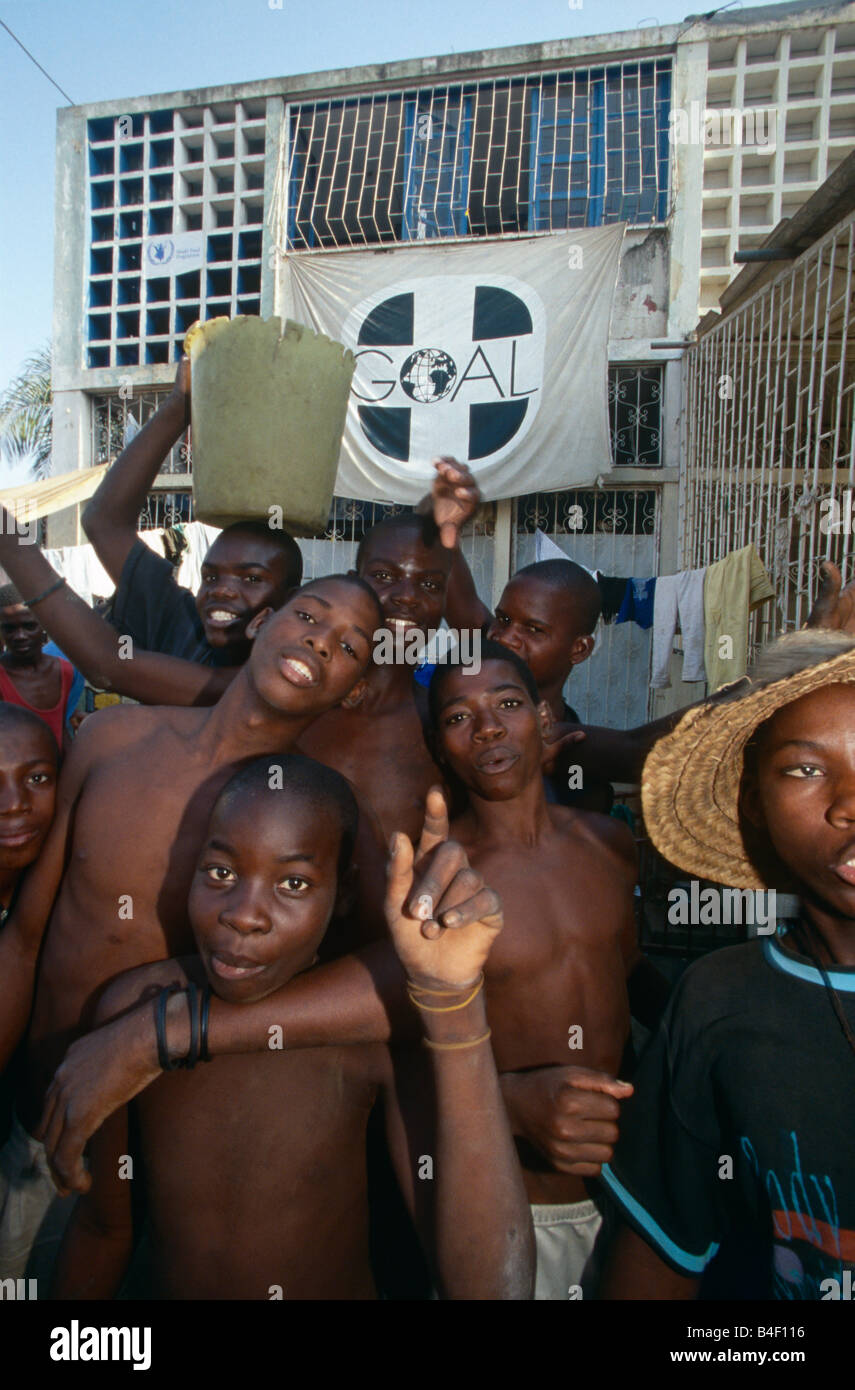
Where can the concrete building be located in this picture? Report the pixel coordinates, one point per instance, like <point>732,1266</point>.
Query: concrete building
<point>505,142</point>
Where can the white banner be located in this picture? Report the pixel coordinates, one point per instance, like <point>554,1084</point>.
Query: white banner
<point>174,254</point>
<point>493,352</point>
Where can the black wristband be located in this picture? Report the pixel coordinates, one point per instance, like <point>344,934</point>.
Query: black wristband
<point>160,1028</point>
<point>51,589</point>
<point>192,999</point>
<point>204,1054</point>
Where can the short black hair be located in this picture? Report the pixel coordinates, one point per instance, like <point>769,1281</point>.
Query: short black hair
<point>573,579</point>
<point>490,651</point>
<point>350,578</point>
<point>424,526</point>
<point>279,537</point>
<point>15,716</point>
<point>9,596</point>
<point>310,781</point>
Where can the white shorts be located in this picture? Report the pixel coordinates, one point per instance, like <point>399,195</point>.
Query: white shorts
<point>564,1237</point>
<point>33,1216</point>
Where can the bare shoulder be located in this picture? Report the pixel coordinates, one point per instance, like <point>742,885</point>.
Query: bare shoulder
<point>606,834</point>
<point>114,727</point>
<point>133,987</point>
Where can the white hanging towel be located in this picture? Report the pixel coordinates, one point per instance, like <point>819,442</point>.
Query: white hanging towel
<point>678,596</point>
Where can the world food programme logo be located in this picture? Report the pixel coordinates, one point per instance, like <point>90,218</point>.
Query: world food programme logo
<point>448,364</point>
<point>160,252</point>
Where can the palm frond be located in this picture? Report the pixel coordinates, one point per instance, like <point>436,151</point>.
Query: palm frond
<point>26,415</point>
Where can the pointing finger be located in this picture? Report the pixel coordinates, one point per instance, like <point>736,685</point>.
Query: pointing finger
<point>435,828</point>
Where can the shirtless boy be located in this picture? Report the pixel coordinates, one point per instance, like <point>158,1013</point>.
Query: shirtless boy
<point>29,769</point>
<point>249,566</point>
<point>254,1166</point>
<point>546,614</point>
<point>29,772</point>
<point>378,743</point>
<point>561,964</point>
<point>135,796</point>
<point>560,977</point>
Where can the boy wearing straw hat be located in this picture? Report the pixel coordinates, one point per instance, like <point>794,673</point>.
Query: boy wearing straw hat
<point>737,1151</point>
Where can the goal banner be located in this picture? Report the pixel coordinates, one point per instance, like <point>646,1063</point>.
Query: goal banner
<point>493,352</point>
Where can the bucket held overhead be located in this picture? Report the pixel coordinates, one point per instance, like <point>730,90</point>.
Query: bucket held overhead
<point>268,406</point>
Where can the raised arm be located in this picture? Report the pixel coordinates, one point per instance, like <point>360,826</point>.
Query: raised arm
<point>94,647</point>
<point>480,1234</point>
<point>615,754</point>
<point>453,499</point>
<point>111,517</point>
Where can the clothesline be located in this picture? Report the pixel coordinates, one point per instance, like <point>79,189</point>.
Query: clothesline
<point>710,608</point>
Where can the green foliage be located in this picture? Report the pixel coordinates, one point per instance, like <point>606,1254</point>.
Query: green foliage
<point>26,416</point>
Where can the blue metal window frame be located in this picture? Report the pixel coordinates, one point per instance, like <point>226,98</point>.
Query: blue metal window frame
<point>654,101</point>
<point>457,169</point>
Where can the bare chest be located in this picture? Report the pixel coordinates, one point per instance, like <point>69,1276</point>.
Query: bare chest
<point>556,976</point>
<point>384,755</point>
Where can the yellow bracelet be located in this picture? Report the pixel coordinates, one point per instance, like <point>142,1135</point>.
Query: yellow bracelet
<point>456,1046</point>
<point>448,1008</point>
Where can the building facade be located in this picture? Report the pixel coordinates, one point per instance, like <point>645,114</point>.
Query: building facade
<point>509,143</point>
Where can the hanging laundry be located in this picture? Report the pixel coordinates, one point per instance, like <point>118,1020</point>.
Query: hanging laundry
<point>678,597</point>
<point>637,606</point>
<point>734,586</point>
<point>613,592</point>
<point>199,538</point>
<point>80,567</point>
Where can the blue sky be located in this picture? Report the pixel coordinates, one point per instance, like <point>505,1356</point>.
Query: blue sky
<point>102,49</point>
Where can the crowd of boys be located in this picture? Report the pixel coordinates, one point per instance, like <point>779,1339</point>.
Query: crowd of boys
<point>317,973</point>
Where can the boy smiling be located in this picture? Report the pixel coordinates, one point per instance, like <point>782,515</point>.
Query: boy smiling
<point>741,1135</point>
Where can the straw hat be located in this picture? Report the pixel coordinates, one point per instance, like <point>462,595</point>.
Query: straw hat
<point>691,779</point>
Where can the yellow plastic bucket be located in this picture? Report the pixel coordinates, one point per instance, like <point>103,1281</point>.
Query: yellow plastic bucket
<point>268,410</point>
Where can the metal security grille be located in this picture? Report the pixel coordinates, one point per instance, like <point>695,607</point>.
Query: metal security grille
<point>535,153</point>
<point>110,417</point>
<point>770,456</point>
<point>615,531</point>
<point>635,416</point>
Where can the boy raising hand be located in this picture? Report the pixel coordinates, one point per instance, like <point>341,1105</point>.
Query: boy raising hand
<point>254,1166</point>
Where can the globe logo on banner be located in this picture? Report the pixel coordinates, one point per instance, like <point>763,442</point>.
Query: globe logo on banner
<point>428,375</point>
<point>447,364</point>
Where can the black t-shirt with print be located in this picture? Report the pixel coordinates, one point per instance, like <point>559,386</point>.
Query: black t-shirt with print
<point>741,1132</point>
<point>159,614</point>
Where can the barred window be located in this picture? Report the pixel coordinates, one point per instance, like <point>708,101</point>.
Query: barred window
<point>165,509</point>
<point>587,512</point>
<point>111,416</point>
<point>635,416</point>
<point>538,153</point>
